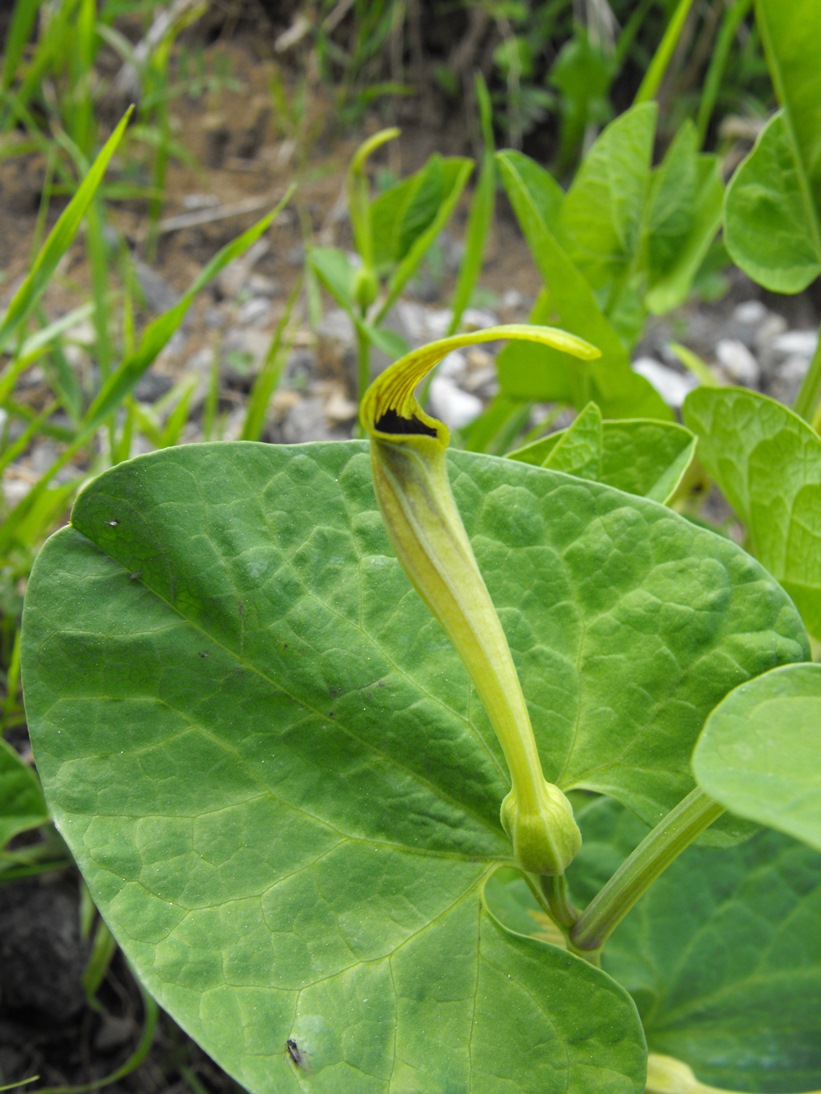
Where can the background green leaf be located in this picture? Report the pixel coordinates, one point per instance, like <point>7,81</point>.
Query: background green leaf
<point>768,463</point>
<point>335,271</point>
<point>600,218</point>
<point>770,229</point>
<point>646,458</point>
<point>539,374</point>
<point>773,209</point>
<point>722,954</point>
<point>406,220</point>
<point>760,752</point>
<point>785,31</point>
<point>407,210</point>
<point>21,800</point>
<point>481,213</point>
<point>682,217</point>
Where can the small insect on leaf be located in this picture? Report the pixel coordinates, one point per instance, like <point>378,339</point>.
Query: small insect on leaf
<point>294,1052</point>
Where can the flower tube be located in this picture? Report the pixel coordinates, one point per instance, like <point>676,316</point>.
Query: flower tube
<point>411,483</point>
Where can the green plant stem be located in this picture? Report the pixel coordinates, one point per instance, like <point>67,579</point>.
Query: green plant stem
<point>731,21</point>
<point>807,401</point>
<point>363,354</point>
<point>635,875</point>
<point>562,912</point>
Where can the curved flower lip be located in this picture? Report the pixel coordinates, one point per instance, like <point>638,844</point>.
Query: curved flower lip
<point>390,410</point>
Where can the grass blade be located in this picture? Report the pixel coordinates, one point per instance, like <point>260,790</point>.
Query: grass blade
<point>663,55</point>
<point>269,375</point>
<point>159,332</point>
<point>481,213</point>
<point>60,239</point>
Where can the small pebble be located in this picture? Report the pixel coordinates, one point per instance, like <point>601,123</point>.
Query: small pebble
<point>796,343</point>
<point>452,367</point>
<point>191,202</point>
<point>478,318</point>
<point>672,386</point>
<point>738,363</point>
<point>339,409</point>
<point>456,408</point>
<point>771,326</point>
<point>750,313</point>
<point>255,312</point>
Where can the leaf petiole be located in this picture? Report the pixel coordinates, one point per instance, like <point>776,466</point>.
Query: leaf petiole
<point>639,870</point>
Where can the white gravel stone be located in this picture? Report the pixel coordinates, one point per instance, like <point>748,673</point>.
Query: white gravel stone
<point>771,326</point>
<point>456,408</point>
<point>672,386</point>
<point>420,324</point>
<point>478,318</point>
<point>453,367</point>
<point>738,363</point>
<point>750,313</point>
<point>255,312</point>
<point>796,343</point>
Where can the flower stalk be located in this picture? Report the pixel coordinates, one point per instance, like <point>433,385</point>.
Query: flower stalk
<point>410,479</point>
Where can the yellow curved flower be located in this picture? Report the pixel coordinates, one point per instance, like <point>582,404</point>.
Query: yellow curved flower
<point>410,479</point>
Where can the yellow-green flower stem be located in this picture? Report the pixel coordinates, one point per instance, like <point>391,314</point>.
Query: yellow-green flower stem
<point>410,479</point>
<point>358,195</point>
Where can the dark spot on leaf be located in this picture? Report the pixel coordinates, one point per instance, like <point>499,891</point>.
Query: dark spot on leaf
<point>391,422</point>
<point>203,654</point>
<point>294,1051</point>
<point>112,523</point>
<point>285,645</point>
<point>331,713</point>
<point>380,683</point>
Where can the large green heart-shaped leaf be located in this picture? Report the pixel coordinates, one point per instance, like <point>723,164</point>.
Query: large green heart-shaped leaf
<point>768,463</point>
<point>271,768</point>
<point>722,954</point>
<point>760,752</point>
<point>21,800</point>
